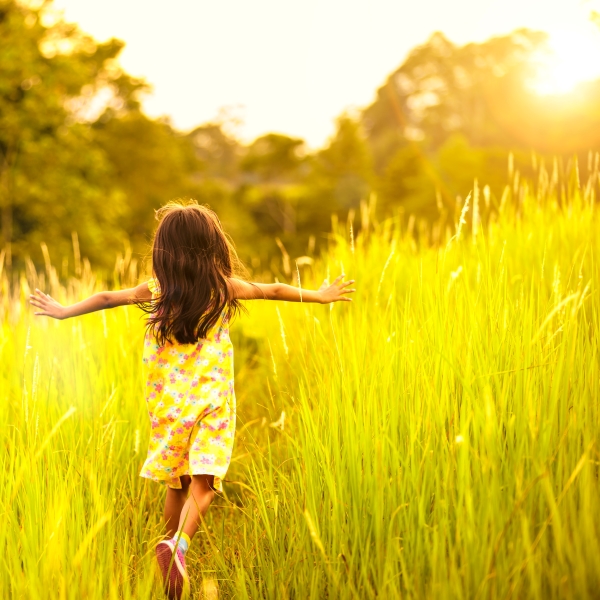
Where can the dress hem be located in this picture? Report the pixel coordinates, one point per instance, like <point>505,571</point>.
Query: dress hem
<point>217,485</point>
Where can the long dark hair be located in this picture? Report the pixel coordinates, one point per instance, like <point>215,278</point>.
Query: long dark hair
<point>192,258</point>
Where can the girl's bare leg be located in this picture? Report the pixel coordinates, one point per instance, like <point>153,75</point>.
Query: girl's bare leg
<point>174,504</point>
<point>197,504</point>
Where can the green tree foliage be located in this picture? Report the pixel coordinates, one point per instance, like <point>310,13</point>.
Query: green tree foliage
<point>76,153</point>
<point>270,169</point>
<point>344,167</point>
<point>150,163</point>
<point>273,157</point>
<point>52,176</point>
<point>217,152</point>
<point>404,182</point>
<point>341,175</point>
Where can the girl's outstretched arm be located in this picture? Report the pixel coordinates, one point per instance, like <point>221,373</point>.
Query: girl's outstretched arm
<point>51,308</point>
<point>336,292</point>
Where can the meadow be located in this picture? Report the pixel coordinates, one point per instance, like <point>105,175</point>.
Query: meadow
<point>437,438</point>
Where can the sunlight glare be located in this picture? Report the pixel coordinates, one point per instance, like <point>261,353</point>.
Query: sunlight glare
<point>569,62</point>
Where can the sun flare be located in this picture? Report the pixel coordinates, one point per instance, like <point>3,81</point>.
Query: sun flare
<point>569,62</point>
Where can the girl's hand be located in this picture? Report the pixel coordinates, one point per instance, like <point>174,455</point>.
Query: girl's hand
<point>49,307</point>
<point>336,291</point>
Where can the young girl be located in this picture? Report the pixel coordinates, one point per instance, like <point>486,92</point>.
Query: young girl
<point>189,364</point>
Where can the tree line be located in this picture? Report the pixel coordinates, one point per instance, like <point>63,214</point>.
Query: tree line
<point>77,154</point>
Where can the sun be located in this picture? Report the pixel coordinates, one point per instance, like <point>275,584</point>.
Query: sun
<point>572,59</point>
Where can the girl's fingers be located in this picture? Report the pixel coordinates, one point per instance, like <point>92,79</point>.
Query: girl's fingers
<point>41,301</point>
<point>347,283</point>
<point>338,278</point>
<point>40,295</point>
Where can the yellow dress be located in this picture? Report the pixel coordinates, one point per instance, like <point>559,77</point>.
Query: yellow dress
<point>191,404</point>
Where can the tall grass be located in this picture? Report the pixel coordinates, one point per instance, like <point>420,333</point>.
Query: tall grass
<point>437,438</point>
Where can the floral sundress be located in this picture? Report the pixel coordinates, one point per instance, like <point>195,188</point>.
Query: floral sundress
<point>191,404</point>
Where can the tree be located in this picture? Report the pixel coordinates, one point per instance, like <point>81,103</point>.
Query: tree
<point>343,170</point>
<point>273,157</point>
<point>442,89</point>
<point>52,175</point>
<point>269,167</point>
<point>150,164</point>
<point>218,152</point>
<point>404,184</point>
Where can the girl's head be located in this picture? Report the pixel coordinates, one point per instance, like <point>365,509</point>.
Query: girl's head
<point>192,259</point>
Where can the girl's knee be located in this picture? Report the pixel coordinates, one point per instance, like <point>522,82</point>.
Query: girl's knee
<point>205,483</point>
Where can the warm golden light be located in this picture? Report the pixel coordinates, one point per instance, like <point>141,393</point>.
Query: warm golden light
<point>570,61</point>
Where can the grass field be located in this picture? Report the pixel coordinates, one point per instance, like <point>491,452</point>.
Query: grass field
<point>437,438</point>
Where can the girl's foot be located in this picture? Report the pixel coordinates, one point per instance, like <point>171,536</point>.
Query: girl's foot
<point>175,578</point>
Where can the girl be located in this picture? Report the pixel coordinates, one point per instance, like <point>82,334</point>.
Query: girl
<point>188,356</point>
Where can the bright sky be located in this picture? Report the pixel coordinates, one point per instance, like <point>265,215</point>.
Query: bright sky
<point>292,66</point>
